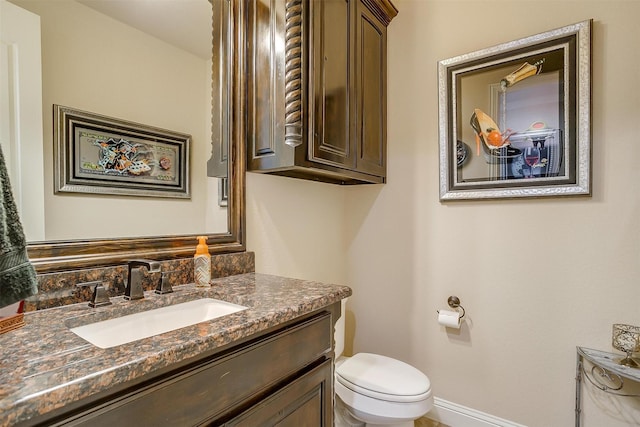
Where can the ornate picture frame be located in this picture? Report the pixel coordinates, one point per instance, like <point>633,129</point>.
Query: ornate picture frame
<point>515,119</point>
<point>101,155</point>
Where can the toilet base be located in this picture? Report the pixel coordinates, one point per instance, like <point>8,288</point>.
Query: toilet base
<point>344,418</point>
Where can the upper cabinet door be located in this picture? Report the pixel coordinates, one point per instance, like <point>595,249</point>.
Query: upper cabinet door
<point>371,89</point>
<point>331,71</point>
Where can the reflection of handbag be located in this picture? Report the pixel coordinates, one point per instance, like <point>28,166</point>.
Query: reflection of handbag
<point>548,143</point>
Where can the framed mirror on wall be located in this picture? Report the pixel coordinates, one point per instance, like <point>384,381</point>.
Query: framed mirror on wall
<point>515,119</point>
<point>155,82</point>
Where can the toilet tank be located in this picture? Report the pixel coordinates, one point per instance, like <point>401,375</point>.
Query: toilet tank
<point>338,334</point>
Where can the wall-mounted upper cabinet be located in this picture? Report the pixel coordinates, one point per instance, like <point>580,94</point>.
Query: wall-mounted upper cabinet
<point>317,89</point>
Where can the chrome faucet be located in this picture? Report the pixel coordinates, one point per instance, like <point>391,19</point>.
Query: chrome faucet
<point>134,289</point>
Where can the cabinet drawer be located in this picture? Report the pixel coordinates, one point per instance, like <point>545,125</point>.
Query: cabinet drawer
<point>214,387</point>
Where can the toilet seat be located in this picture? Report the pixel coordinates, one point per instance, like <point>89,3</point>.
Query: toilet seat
<point>379,390</point>
<point>383,378</point>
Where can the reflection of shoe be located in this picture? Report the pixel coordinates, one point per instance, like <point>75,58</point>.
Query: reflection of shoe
<point>524,71</point>
<point>494,143</point>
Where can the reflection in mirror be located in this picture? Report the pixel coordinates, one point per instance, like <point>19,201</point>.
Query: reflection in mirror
<point>21,113</point>
<point>97,63</point>
<point>217,166</point>
<point>526,115</point>
<point>110,58</point>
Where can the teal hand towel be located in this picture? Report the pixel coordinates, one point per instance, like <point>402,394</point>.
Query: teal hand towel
<point>17,275</point>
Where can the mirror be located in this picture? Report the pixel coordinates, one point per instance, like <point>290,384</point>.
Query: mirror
<point>151,85</point>
<point>515,118</point>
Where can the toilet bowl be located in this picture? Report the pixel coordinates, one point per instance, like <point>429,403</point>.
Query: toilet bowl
<point>372,389</point>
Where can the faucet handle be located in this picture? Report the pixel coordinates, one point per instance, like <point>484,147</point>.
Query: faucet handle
<point>164,285</point>
<point>100,296</point>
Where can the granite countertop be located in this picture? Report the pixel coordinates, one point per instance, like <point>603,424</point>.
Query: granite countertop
<point>45,366</point>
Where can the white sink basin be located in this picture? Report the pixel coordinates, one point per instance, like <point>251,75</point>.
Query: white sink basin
<point>125,329</point>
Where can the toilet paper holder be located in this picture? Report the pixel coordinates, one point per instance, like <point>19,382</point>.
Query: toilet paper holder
<point>454,302</point>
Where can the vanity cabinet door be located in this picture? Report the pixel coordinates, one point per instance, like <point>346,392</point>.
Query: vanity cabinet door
<point>307,401</point>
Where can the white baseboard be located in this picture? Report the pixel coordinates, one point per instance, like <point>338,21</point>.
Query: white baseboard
<point>455,415</point>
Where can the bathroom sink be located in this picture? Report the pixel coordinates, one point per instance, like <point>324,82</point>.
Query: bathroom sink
<point>133,327</point>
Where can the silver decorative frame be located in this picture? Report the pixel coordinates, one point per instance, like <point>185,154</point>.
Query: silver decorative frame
<point>71,176</point>
<point>576,41</point>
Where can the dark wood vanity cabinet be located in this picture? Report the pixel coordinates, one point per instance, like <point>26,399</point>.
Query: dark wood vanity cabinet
<point>284,378</point>
<point>317,89</point>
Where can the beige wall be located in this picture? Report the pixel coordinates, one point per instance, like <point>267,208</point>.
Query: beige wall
<point>531,297</point>
<point>296,227</point>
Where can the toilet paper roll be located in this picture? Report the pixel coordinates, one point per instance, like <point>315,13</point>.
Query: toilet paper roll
<point>448,318</point>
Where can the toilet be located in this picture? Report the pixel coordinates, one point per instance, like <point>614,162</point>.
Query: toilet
<point>373,390</point>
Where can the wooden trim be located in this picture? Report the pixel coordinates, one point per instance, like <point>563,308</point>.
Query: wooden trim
<point>384,10</point>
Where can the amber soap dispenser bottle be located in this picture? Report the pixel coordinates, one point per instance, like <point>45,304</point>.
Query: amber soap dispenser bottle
<point>202,263</point>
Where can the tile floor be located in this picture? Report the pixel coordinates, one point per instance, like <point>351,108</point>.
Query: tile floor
<point>425,422</point>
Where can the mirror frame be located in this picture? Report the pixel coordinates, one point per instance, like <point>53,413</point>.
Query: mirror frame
<point>574,43</point>
<point>49,256</point>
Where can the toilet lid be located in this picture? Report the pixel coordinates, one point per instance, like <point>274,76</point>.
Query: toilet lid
<point>384,378</point>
